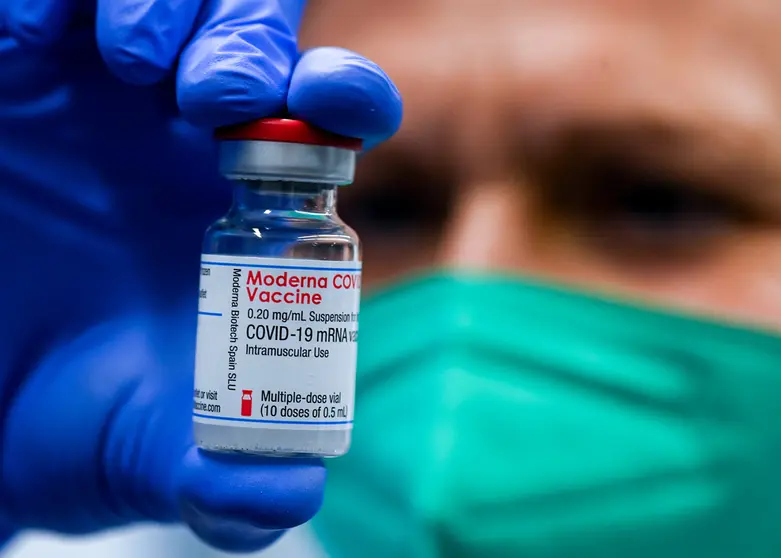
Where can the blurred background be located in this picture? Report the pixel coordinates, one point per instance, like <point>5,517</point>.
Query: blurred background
<point>166,542</point>
<point>629,148</point>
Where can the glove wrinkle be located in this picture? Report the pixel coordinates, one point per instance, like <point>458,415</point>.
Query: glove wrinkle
<point>117,498</point>
<point>147,462</point>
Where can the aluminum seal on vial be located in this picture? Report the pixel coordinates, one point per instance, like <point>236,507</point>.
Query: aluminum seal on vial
<point>274,149</point>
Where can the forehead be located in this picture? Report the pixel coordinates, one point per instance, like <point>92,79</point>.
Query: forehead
<point>495,77</point>
<point>456,26</point>
<point>345,14</point>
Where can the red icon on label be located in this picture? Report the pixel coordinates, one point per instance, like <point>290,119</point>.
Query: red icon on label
<point>246,402</point>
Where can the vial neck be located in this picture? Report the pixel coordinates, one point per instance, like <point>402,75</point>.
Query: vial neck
<point>267,197</point>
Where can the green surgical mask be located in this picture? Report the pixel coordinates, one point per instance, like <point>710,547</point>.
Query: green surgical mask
<point>497,418</point>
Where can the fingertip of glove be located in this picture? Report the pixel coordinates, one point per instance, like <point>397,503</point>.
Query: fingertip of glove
<point>345,93</point>
<point>226,534</point>
<point>233,500</point>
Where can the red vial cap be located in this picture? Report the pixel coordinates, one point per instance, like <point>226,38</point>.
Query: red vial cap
<point>288,131</point>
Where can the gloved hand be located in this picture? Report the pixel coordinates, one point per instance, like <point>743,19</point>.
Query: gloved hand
<point>105,192</point>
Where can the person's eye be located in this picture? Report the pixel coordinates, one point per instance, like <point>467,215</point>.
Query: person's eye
<point>408,207</point>
<point>644,215</point>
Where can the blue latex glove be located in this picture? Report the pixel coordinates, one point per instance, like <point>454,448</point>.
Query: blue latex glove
<point>105,192</point>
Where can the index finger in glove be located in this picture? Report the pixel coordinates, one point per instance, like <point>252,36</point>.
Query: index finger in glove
<point>139,39</point>
<point>239,62</point>
<point>142,39</point>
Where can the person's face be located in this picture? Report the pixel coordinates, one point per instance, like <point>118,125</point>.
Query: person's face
<point>631,147</point>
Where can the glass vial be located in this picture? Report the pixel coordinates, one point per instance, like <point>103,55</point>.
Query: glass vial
<point>279,297</point>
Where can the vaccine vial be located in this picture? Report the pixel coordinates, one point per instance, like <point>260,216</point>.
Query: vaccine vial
<point>279,297</point>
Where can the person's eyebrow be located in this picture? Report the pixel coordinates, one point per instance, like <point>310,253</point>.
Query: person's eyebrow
<point>735,162</point>
<point>408,161</point>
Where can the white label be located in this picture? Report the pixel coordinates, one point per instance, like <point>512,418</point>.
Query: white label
<point>277,342</point>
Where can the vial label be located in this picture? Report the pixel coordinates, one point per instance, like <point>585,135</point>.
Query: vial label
<point>277,342</point>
